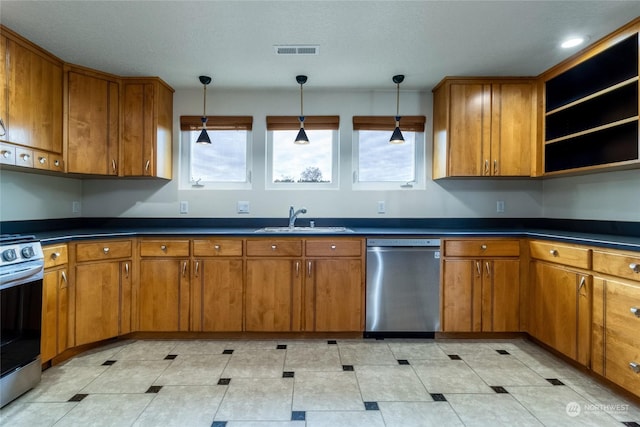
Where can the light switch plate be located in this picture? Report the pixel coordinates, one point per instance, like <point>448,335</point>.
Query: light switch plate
<point>243,207</point>
<point>381,207</point>
<point>500,206</point>
<point>76,207</point>
<point>184,207</point>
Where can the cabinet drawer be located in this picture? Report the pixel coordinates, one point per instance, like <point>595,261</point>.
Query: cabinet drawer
<point>7,154</point>
<point>573,256</point>
<point>55,255</point>
<point>621,264</point>
<point>622,304</point>
<point>274,248</point>
<point>24,157</point>
<point>41,160</point>
<point>164,248</point>
<point>620,358</point>
<point>217,247</point>
<point>481,248</point>
<point>103,250</point>
<point>328,247</point>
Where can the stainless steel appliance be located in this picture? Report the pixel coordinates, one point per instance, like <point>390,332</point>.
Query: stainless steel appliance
<point>21,273</point>
<point>403,287</point>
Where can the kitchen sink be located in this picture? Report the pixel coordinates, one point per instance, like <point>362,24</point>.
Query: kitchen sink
<point>310,230</point>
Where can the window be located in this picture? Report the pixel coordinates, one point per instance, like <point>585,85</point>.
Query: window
<point>377,164</point>
<point>223,164</point>
<point>314,165</point>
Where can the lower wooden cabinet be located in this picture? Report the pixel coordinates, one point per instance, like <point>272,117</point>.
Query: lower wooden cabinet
<point>164,295</point>
<point>55,312</point>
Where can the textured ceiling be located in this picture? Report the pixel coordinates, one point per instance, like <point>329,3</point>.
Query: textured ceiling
<point>362,43</point>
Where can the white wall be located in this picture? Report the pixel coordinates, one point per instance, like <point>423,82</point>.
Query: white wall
<point>451,198</point>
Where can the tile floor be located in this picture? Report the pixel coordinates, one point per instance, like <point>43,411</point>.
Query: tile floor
<point>319,383</point>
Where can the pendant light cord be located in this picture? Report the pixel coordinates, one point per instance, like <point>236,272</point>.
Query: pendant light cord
<point>301,104</point>
<point>204,108</point>
<point>397,101</point>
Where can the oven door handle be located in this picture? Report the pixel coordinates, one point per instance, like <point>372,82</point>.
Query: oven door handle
<point>31,272</point>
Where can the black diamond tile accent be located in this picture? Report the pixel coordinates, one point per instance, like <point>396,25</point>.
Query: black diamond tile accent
<point>555,381</point>
<point>332,342</point>
<point>219,424</point>
<point>170,356</point>
<point>77,397</point>
<point>224,381</point>
<point>502,352</point>
<point>154,389</point>
<point>288,374</point>
<point>454,357</point>
<point>298,415</point>
<point>347,367</point>
<point>371,406</point>
<point>499,389</point>
<point>403,362</point>
<point>631,423</point>
<point>281,347</point>
<point>109,362</point>
<point>438,397</point>
<point>227,352</point>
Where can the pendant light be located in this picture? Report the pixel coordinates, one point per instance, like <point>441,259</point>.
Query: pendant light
<point>302,138</point>
<point>204,136</point>
<point>396,137</point>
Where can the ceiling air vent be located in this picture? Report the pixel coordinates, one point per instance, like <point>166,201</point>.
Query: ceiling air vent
<point>297,49</point>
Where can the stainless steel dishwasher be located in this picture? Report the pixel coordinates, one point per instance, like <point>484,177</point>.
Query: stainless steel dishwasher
<point>403,287</point>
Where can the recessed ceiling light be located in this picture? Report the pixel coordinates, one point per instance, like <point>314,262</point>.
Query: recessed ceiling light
<point>572,42</point>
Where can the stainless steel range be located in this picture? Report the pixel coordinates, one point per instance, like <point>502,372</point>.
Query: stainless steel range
<point>21,273</point>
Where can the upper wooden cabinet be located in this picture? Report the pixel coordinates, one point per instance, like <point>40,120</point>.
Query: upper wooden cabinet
<point>92,122</point>
<point>31,82</point>
<point>591,107</point>
<point>483,127</point>
<point>147,128</point>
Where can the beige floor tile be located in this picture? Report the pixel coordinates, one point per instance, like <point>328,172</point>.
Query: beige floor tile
<point>201,347</point>
<point>146,350</point>
<point>266,424</point>
<point>97,356</point>
<point>106,410</point>
<point>325,391</point>
<point>546,365</point>
<point>418,414</point>
<point>619,407</point>
<point>29,414</point>
<point>254,399</point>
<point>417,350</point>
<point>127,376</point>
<point>479,410</point>
<point>449,376</point>
<point>390,383</point>
<point>345,418</point>
<point>255,363</point>
<point>504,370</point>
<point>466,347</point>
<point>194,369</point>
<point>312,358</point>
<point>193,406</point>
<point>366,353</point>
<point>60,383</point>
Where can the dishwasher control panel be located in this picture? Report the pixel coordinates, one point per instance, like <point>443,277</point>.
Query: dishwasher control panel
<point>402,242</point>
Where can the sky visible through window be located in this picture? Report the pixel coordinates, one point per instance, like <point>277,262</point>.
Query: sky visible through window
<point>379,161</point>
<point>224,160</point>
<point>291,160</point>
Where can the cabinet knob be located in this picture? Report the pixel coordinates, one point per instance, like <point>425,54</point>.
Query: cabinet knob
<point>105,250</point>
<point>56,162</point>
<point>635,367</point>
<point>42,160</point>
<point>333,247</point>
<point>273,247</point>
<point>163,248</point>
<point>553,252</point>
<point>6,154</point>
<point>635,311</point>
<point>55,255</point>
<point>483,247</point>
<point>216,247</point>
<point>25,157</point>
<point>635,267</point>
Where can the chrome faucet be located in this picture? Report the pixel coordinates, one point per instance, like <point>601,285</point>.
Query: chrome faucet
<point>293,214</point>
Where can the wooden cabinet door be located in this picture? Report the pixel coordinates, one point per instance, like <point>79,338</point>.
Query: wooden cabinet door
<point>216,295</point>
<point>501,296</point>
<point>334,295</point>
<point>461,295</point>
<point>34,84</point>
<point>164,295</point>
<point>49,340</point>
<point>512,128</point>
<point>273,295</point>
<point>469,128</point>
<point>97,296</point>
<point>4,109</point>
<point>92,129</point>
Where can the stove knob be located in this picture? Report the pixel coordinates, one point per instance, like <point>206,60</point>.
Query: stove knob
<point>27,252</point>
<point>9,255</point>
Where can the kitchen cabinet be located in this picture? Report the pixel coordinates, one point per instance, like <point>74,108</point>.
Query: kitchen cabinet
<point>55,302</point>
<point>92,122</point>
<point>274,277</point>
<point>560,315</point>
<point>483,127</point>
<point>31,82</point>
<point>103,280</point>
<point>147,128</point>
<point>163,288</point>
<point>217,285</point>
<point>481,286</point>
<point>616,317</point>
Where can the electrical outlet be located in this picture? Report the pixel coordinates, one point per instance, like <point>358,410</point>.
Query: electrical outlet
<point>184,207</point>
<point>242,207</point>
<point>381,207</point>
<point>76,207</point>
<point>500,206</point>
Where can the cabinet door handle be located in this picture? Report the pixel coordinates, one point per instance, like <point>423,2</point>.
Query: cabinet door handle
<point>105,250</point>
<point>486,167</point>
<point>146,165</point>
<point>197,267</point>
<point>488,268</point>
<point>635,367</point>
<point>583,281</point>
<point>184,268</point>
<point>126,269</point>
<point>6,154</point>
<point>163,248</point>
<point>478,268</point>
<point>55,255</point>
<point>113,165</point>
<point>64,279</point>
<point>635,267</point>
<point>635,311</point>
<point>495,167</point>
<point>2,128</point>
<point>42,160</point>
<point>309,268</point>
<point>297,268</point>
<point>553,252</point>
